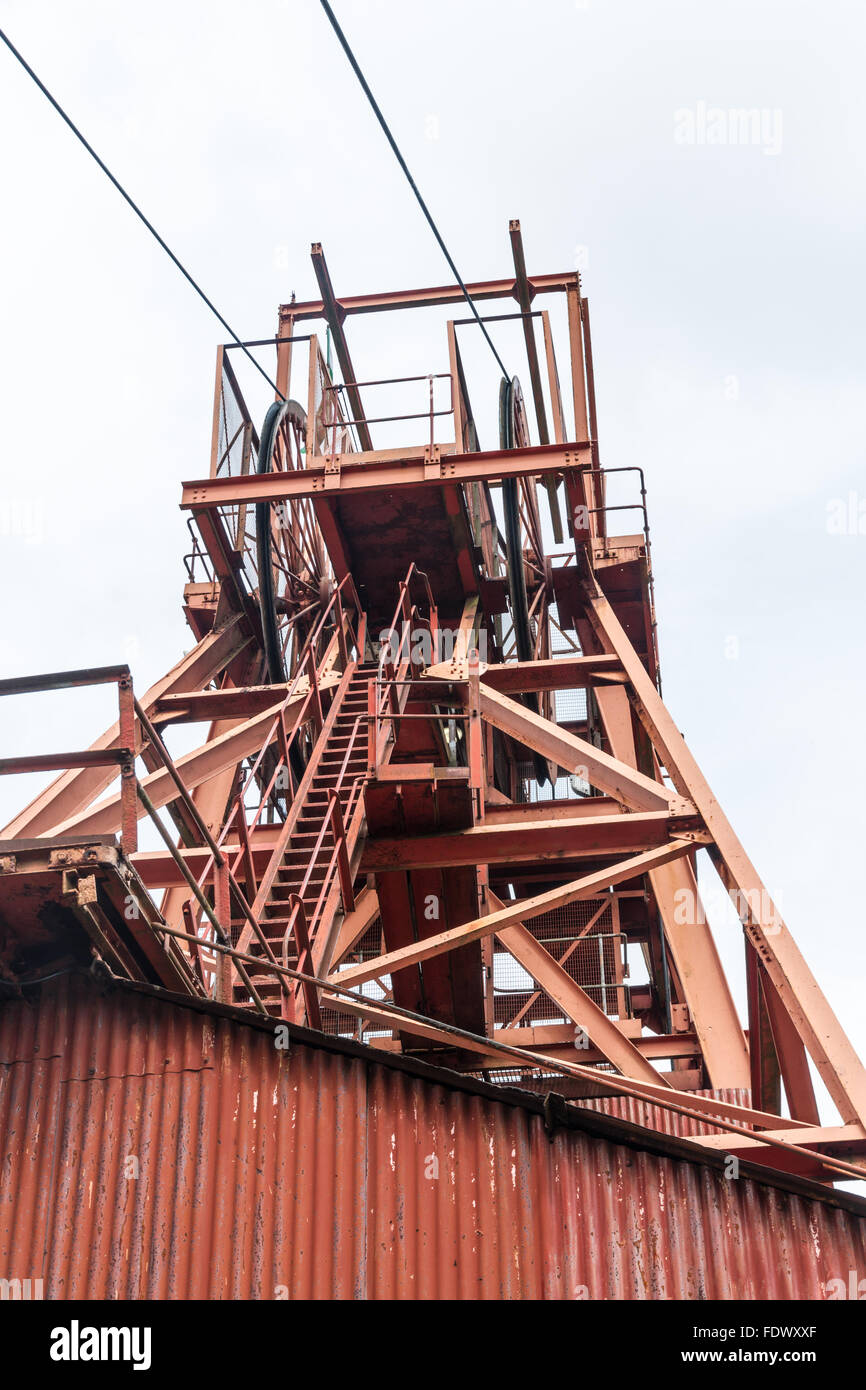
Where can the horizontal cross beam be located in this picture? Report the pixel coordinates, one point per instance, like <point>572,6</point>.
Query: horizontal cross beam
<point>372,472</point>
<point>563,839</point>
<point>556,673</point>
<point>586,887</point>
<point>428,298</point>
<point>557,1040</point>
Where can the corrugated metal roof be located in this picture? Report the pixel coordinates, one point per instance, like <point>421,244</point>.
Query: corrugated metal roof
<point>641,1112</point>
<point>156,1151</point>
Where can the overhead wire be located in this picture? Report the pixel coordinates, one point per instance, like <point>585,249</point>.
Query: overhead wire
<point>137,210</point>
<point>356,68</point>
<point>261,370</point>
<point>236,339</point>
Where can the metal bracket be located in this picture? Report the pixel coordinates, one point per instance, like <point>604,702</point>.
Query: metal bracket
<point>87,854</point>
<point>681,1021</point>
<point>554,1114</point>
<point>82,890</point>
<point>432,462</point>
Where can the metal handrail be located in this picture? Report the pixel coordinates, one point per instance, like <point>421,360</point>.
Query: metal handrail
<point>640,506</point>
<point>216,863</point>
<point>222,871</point>
<point>222,936</point>
<point>338,388</point>
<point>338,863</point>
<point>384,690</point>
<point>331,812</point>
<point>121,755</point>
<point>307,659</point>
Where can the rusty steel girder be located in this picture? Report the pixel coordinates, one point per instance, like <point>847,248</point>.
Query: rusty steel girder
<point>423,839</point>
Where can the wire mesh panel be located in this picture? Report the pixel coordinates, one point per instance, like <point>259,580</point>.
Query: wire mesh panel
<point>570,706</point>
<point>597,966</point>
<point>329,430</point>
<point>581,938</point>
<point>231,446</point>
<point>346,1025</point>
<point>562,641</point>
<point>234,443</point>
<point>528,791</point>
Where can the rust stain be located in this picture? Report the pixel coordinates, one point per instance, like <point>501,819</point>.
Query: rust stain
<point>199,1161</point>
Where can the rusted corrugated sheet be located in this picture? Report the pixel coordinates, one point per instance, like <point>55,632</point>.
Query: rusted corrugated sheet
<point>640,1112</point>
<point>151,1151</point>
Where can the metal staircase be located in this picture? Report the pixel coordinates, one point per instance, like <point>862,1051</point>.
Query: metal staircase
<point>309,880</point>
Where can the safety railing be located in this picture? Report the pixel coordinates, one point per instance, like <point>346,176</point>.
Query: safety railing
<point>394,686</point>
<point>227,899</point>
<point>641,507</point>
<point>225,865</point>
<point>226,893</point>
<point>385,704</point>
<point>341,419</point>
<point>133,722</point>
<point>278,774</point>
<point>121,756</point>
<point>340,822</point>
<point>197,560</point>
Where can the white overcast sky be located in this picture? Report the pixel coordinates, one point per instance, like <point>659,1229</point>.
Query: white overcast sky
<point>728,300</point>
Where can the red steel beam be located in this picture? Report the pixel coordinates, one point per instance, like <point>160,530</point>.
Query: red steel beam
<point>502,839</point>
<point>428,298</point>
<point>844,1142</point>
<point>555,673</point>
<point>334,314</point>
<point>76,790</point>
<point>575,754</point>
<point>378,472</point>
<point>515,842</point>
<point>587,887</point>
<point>234,702</point>
<point>574,1001</point>
<point>841,1069</point>
<point>690,943</point>
<point>558,1040</point>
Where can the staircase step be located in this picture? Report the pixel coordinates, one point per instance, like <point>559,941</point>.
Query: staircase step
<point>292,871</point>
<point>344,754</point>
<point>306,839</point>
<point>282,893</point>
<point>265,987</point>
